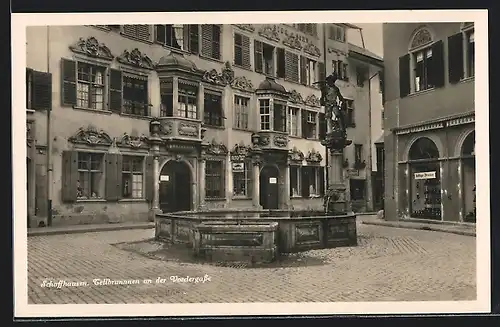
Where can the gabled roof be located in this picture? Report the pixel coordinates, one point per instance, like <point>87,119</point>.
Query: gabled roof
<point>365,55</point>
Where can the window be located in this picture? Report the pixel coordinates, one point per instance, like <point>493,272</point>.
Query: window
<point>279,112</point>
<point>294,121</point>
<point>135,95</point>
<point>422,61</point>
<point>265,115</point>
<point>210,41</point>
<point>241,50</point>
<point>309,124</point>
<point>214,179</point>
<point>312,180</point>
<point>141,32</point>
<point>132,177</point>
<point>294,181</point>
<point>213,112</point>
<point>361,77</point>
<point>241,179</point>
<point>310,72</point>
<point>340,68</point>
<point>461,55</point>
<point>357,188</point>
<point>183,37</point>
<point>241,110</point>
<point>336,33</point>
<point>90,183</point>
<point>264,58</point>
<point>167,98</point>
<point>350,119</point>
<point>187,101</point>
<point>90,86</point>
<point>358,153</point>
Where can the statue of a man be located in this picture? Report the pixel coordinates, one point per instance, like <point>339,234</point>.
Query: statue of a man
<point>333,101</point>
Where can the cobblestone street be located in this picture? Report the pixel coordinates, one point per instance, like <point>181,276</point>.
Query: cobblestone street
<point>390,264</point>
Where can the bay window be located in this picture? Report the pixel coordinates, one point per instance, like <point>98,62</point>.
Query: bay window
<point>187,101</point>
<point>265,114</point>
<point>279,119</point>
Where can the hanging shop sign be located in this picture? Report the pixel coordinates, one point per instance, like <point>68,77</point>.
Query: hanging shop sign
<point>425,175</point>
<point>238,166</point>
<point>273,180</point>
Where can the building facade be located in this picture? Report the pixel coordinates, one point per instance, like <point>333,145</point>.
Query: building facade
<point>145,118</point>
<point>429,121</point>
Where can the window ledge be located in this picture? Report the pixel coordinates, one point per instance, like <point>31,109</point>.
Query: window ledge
<point>243,67</point>
<point>215,199</point>
<point>294,136</point>
<point>467,79</point>
<point>421,92</point>
<point>90,200</point>
<point>132,200</point>
<point>136,116</point>
<point>214,126</point>
<point>170,48</point>
<point>241,197</point>
<point>248,130</point>
<point>97,111</point>
<point>135,38</point>
<point>210,58</point>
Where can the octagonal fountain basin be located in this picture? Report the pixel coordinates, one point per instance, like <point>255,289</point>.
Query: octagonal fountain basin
<point>259,236</point>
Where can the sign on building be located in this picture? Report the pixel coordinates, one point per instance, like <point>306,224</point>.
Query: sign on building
<point>425,175</point>
<point>238,166</point>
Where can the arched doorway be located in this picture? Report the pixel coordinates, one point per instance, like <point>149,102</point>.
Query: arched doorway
<point>425,181</point>
<point>468,155</point>
<point>175,187</point>
<point>269,187</point>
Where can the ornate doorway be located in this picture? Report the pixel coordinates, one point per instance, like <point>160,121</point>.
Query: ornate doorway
<point>269,187</point>
<point>175,187</point>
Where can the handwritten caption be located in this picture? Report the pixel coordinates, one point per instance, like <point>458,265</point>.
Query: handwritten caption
<point>49,283</point>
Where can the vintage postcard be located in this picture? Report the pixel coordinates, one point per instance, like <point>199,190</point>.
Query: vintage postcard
<point>297,163</point>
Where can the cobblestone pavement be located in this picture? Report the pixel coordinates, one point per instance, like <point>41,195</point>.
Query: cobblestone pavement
<point>389,264</point>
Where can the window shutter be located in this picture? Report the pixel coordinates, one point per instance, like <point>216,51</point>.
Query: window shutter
<point>238,51</point>
<point>304,124</point>
<point>41,91</point>
<point>322,126</point>
<point>160,34</point>
<point>291,66</point>
<point>381,77</point>
<point>304,183</point>
<point>321,71</point>
<point>149,179</point>
<point>206,40</point>
<point>216,32</point>
<point>69,176</point>
<point>111,176</point>
<point>303,70</point>
<point>322,181</point>
<point>129,30</point>
<point>258,56</point>
<point>455,58</point>
<point>143,32</point>
<point>404,75</point>
<point>345,75</point>
<point>194,38</point>
<point>280,62</point>
<point>68,81</point>
<point>29,87</point>
<point>438,64</point>
<point>115,90</point>
<point>119,179</point>
<point>245,46</point>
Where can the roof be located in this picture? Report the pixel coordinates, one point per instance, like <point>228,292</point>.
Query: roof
<point>176,59</point>
<point>365,55</point>
<point>270,84</point>
<point>380,139</point>
<point>349,25</point>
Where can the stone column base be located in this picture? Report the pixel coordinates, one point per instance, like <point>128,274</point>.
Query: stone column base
<point>152,213</point>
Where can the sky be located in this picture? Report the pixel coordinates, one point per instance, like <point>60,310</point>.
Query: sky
<point>372,34</point>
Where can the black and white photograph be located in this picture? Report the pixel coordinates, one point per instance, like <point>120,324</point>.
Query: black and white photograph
<point>300,163</point>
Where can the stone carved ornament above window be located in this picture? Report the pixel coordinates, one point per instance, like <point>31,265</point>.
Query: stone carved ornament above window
<point>224,78</point>
<point>292,41</point>
<point>91,136</point>
<point>135,58</point>
<point>312,49</point>
<point>246,27</point>
<point>295,97</point>
<point>314,157</point>
<point>92,48</point>
<point>269,32</point>
<point>295,155</point>
<point>240,152</point>
<point>313,101</point>
<point>135,142</point>
<point>215,148</point>
<point>243,84</point>
<point>421,38</point>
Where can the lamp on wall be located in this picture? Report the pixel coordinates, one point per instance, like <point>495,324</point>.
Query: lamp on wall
<point>255,139</point>
<point>155,127</point>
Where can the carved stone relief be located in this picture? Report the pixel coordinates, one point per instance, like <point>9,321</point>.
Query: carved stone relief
<point>280,141</point>
<point>295,155</point>
<point>135,58</point>
<point>292,41</point>
<point>187,129</point>
<point>314,157</point>
<point>295,97</point>
<point>243,84</point>
<point>216,148</point>
<point>312,49</point>
<point>240,152</point>
<point>133,141</point>
<point>246,27</point>
<point>269,32</point>
<point>313,101</point>
<point>224,78</point>
<point>91,136</point>
<point>92,48</point>
<point>421,38</point>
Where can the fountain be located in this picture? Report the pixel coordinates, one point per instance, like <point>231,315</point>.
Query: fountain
<point>262,235</point>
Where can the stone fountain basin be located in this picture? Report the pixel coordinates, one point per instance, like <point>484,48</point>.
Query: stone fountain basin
<point>287,231</point>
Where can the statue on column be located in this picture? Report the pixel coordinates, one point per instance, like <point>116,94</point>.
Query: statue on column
<point>334,103</point>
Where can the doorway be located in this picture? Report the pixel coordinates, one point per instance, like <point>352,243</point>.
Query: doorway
<point>28,190</point>
<point>269,187</point>
<point>175,187</point>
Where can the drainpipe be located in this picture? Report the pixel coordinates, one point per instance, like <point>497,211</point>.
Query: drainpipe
<point>49,145</point>
<point>324,59</point>
<point>370,156</point>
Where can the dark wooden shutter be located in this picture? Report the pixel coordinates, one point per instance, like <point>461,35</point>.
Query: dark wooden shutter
<point>29,87</point>
<point>69,176</point>
<point>280,62</point>
<point>321,71</point>
<point>304,123</point>
<point>455,58</point>
<point>119,178</point>
<point>238,51</point>
<point>304,181</point>
<point>322,181</point>
<point>245,47</point>
<point>115,90</point>
<point>345,75</point>
<point>206,40</point>
<point>322,126</point>
<point>111,176</point>
<point>41,91</point>
<point>68,81</point>
<point>437,66</point>
<point>303,70</point>
<point>291,66</point>
<point>258,56</point>
<point>143,32</point>
<point>194,38</point>
<point>150,179</point>
<point>160,34</point>
<point>216,33</point>
<point>404,75</point>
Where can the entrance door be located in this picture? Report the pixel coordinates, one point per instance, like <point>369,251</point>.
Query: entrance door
<point>175,187</point>
<point>28,189</point>
<point>269,190</point>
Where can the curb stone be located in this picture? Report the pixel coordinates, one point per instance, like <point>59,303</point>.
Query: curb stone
<point>42,231</point>
<point>420,227</point>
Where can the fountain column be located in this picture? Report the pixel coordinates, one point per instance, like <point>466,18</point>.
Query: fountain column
<point>256,184</point>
